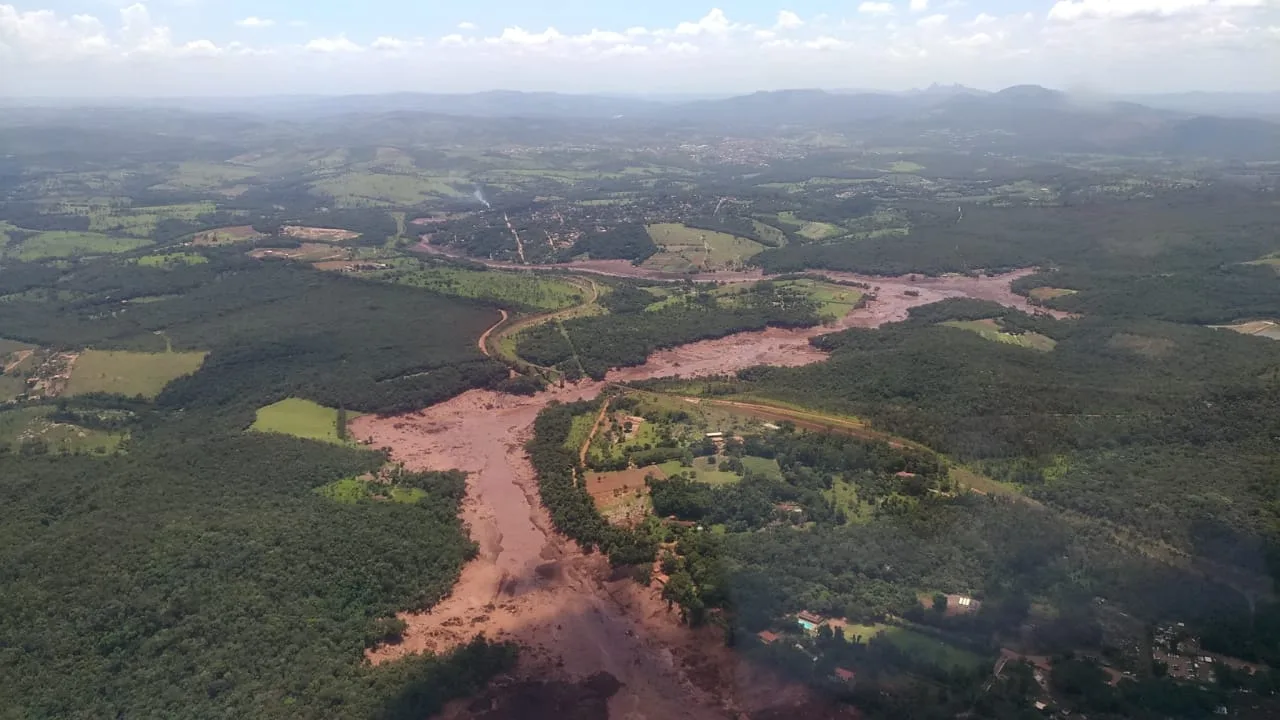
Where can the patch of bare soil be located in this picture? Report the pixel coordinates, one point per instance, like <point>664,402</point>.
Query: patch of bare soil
<point>306,252</point>
<point>318,233</point>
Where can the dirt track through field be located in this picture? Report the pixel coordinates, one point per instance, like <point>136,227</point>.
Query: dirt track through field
<point>531,585</point>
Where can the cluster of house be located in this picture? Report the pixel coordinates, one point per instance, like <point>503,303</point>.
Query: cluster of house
<point>810,622</point>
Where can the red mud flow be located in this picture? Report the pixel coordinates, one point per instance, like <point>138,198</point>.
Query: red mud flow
<point>531,585</point>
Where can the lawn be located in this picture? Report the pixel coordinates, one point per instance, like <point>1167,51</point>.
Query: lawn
<point>703,471</point>
<point>32,423</point>
<point>942,654</point>
<point>684,248</point>
<point>59,244</point>
<point>764,467</point>
<point>301,418</point>
<point>130,373</point>
<point>989,329</point>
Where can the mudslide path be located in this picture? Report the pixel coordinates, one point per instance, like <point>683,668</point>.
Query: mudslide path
<point>531,585</point>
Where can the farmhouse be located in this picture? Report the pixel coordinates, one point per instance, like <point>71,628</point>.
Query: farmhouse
<point>809,621</point>
<point>767,637</point>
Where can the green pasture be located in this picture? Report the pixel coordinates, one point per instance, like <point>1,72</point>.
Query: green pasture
<point>684,248</point>
<point>989,329</point>
<point>25,425</point>
<point>536,292</point>
<point>64,244</point>
<point>301,418</point>
<point>130,373</point>
<point>365,189</point>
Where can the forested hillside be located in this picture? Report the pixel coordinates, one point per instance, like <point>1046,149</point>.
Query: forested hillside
<point>198,572</point>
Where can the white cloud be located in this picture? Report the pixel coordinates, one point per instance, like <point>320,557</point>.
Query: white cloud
<point>521,37</point>
<point>1197,44</point>
<point>788,20</point>
<point>388,43</point>
<point>255,22</point>
<point>336,44</point>
<point>826,42</point>
<point>465,25</point>
<point>714,23</point>
<point>1070,10</point>
<point>876,8</point>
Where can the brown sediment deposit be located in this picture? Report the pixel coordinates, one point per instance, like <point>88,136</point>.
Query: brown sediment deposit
<point>572,615</point>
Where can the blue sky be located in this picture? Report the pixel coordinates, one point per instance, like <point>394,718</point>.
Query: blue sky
<point>248,47</point>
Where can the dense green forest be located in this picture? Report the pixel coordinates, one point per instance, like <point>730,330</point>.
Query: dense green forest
<point>198,572</point>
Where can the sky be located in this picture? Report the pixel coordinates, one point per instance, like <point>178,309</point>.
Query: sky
<point>120,48</point>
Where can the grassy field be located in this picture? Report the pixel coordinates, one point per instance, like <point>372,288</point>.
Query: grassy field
<point>582,425</point>
<point>990,330</point>
<point>834,301</point>
<point>171,260</point>
<point>535,292</point>
<point>939,653</point>
<point>301,418</point>
<point>764,467</point>
<point>205,176</point>
<point>353,490</point>
<point>130,373</point>
<point>704,471</point>
<point>905,166</point>
<point>684,248</point>
<point>142,221</point>
<point>770,233</point>
<point>1049,293</point>
<point>810,229</point>
<point>843,495</point>
<point>60,244</point>
<point>226,236</point>
<point>1272,261</point>
<point>32,423</point>
<point>968,479</point>
<point>363,189</point>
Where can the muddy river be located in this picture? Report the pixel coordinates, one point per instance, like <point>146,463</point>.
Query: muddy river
<point>533,586</point>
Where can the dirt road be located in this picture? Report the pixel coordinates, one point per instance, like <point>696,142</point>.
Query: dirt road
<point>531,585</point>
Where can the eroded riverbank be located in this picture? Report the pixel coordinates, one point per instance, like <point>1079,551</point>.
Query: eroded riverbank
<point>533,586</point>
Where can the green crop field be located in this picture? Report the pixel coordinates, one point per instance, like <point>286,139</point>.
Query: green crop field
<point>301,418</point>
<point>526,290</point>
<point>171,260</point>
<point>60,244</point>
<point>130,373</point>
<point>684,248</point>
<point>990,330</point>
<point>764,467</point>
<point>31,424</point>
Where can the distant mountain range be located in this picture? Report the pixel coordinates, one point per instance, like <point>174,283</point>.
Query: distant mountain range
<point>1020,119</point>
